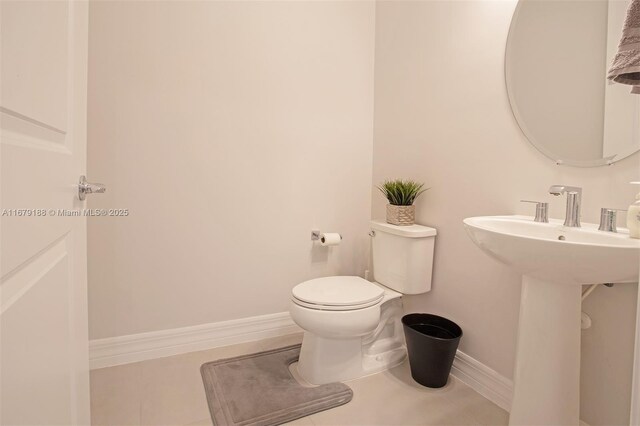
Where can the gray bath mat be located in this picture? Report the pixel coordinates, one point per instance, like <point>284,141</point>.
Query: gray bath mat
<point>258,389</point>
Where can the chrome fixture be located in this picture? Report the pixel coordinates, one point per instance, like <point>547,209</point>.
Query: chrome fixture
<point>574,198</point>
<point>542,210</point>
<point>608,219</point>
<point>85,188</point>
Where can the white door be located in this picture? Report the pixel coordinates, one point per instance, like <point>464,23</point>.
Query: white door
<point>43,292</point>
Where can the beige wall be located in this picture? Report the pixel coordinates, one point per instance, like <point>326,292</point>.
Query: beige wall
<point>442,116</point>
<point>230,130</point>
<point>275,100</point>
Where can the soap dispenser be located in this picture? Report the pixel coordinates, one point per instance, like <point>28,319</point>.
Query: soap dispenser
<point>633,216</point>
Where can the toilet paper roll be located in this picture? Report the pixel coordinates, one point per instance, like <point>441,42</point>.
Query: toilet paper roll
<point>330,239</point>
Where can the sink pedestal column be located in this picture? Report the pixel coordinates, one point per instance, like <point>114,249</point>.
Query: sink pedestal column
<point>547,373</point>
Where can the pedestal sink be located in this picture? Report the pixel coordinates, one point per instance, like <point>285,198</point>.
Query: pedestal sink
<point>554,261</point>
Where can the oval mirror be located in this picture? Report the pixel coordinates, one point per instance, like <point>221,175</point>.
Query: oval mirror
<point>555,67</point>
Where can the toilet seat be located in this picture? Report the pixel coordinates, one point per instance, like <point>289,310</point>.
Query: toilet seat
<point>341,293</point>
<point>333,307</point>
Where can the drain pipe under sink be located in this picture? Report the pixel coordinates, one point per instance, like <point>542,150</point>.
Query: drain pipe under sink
<point>592,287</point>
<point>585,319</point>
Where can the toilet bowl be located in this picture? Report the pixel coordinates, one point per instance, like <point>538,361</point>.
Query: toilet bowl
<point>352,327</point>
<point>349,340</point>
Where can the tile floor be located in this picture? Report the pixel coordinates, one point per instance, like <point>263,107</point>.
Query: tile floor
<point>169,391</point>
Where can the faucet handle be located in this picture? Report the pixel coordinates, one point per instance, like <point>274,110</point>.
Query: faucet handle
<point>542,210</point>
<point>608,218</point>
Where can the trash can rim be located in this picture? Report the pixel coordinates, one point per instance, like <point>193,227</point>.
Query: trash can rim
<point>435,316</point>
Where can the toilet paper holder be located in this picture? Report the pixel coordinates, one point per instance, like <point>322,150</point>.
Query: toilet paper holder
<point>316,235</point>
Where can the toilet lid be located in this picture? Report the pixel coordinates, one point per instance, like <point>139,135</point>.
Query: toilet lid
<point>338,291</point>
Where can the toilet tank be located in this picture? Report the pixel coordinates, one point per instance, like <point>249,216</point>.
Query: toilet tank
<point>403,256</point>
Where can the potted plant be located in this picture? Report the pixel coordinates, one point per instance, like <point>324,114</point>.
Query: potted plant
<point>401,195</point>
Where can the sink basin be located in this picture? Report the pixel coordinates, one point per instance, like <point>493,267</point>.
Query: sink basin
<point>553,252</point>
<point>554,261</point>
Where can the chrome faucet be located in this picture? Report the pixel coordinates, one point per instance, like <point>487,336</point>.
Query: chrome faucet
<point>574,198</point>
<point>608,219</point>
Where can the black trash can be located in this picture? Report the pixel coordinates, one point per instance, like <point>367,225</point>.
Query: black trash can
<point>432,342</point>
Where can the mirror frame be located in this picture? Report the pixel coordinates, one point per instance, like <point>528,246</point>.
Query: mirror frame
<point>607,161</point>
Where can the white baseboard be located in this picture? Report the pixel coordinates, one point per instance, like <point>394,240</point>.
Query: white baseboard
<point>487,382</point>
<point>157,344</point>
<point>120,350</point>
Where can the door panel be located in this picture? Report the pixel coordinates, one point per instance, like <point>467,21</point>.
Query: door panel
<point>43,300</point>
<point>34,78</point>
<point>36,348</point>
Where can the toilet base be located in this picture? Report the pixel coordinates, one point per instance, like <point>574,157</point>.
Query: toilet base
<point>325,360</point>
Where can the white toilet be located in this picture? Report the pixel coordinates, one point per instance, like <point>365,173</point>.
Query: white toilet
<point>352,326</point>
